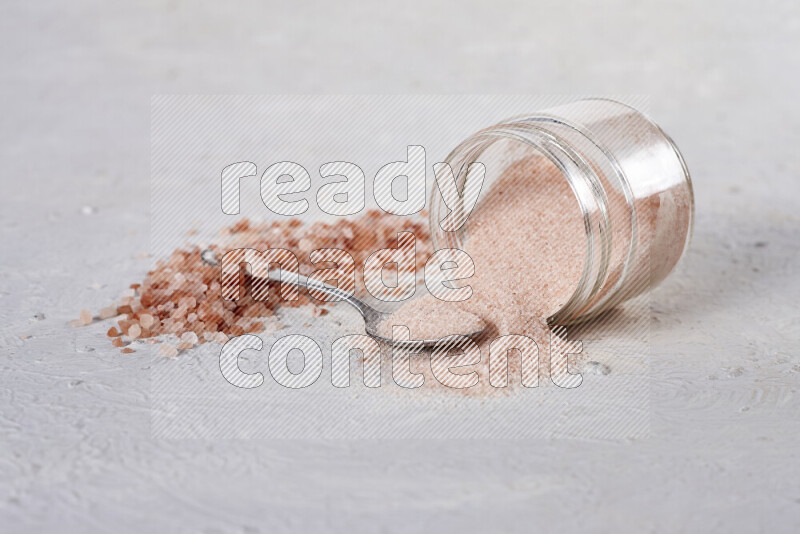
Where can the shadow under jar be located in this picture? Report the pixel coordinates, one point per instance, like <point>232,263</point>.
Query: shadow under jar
<point>631,186</point>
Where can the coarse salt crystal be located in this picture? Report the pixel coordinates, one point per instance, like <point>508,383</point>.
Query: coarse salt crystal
<point>168,350</point>
<point>190,337</point>
<point>134,331</point>
<point>85,317</point>
<point>146,320</point>
<point>108,312</point>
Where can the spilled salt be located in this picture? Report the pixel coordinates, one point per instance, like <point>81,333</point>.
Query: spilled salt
<point>526,239</point>
<point>134,331</point>
<point>168,350</point>
<point>181,296</point>
<point>190,338</point>
<point>449,319</point>
<point>85,317</point>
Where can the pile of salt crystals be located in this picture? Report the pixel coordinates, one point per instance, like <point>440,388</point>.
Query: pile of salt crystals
<point>182,295</point>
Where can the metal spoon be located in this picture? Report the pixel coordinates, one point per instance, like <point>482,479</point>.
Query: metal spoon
<point>372,317</point>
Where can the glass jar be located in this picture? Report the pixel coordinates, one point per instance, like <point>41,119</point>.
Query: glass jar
<point>630,183</point>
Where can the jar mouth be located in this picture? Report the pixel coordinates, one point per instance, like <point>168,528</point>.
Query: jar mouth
<point>584,184</point>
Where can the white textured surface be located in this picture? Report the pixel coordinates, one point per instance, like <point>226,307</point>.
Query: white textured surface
<point>75,446</point>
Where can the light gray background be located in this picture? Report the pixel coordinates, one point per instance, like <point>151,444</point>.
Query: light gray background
<point>75,446</point>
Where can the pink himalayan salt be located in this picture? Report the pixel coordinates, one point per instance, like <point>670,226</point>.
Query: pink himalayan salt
<point>146,320</point>
<point>168,350</point>
<point>182,294</point>
<point>190,338</point>
<point>85,317</point>
<point>526,238</point>
<point>527,241</point>
<point>108,312</point>
<point>448,319</point>
<point>134,331</point>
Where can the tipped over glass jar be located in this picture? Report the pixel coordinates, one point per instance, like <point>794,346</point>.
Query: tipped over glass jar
<point>631,188</point>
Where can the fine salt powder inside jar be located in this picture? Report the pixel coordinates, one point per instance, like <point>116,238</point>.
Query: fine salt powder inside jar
<point>610,187</point>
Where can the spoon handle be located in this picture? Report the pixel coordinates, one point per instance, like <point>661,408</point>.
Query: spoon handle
<point>289,277</point>
<point>283,276</point>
